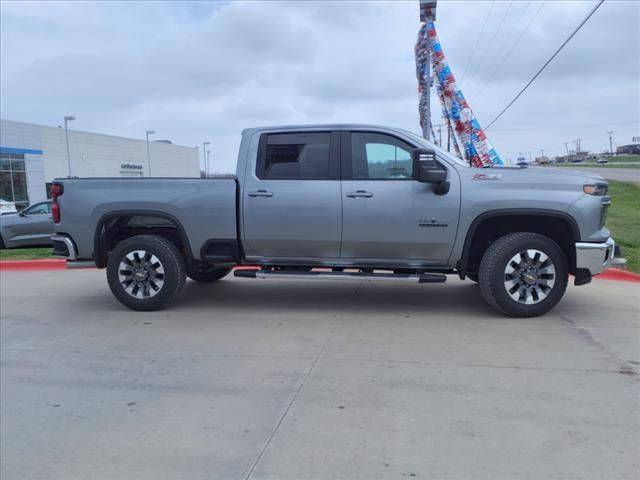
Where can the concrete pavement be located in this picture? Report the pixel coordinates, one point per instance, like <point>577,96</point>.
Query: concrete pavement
<point>308,379</point>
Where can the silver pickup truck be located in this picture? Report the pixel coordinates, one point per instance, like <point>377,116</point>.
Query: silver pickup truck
<point>364,202</point>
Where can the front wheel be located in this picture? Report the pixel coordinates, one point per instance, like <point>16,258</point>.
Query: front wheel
<point>146,272</point>
<point>523,274</point>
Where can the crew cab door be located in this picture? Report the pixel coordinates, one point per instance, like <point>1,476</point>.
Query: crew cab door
<point>387,215</point>
<point>292,206</point>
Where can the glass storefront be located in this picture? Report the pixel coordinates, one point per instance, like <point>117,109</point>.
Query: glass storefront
<point>13,179</point>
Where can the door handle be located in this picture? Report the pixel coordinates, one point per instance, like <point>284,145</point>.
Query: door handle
<point>360,194</point>
<point>260,193</point>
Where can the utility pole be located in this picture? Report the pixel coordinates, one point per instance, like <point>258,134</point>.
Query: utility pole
<point>566,147</point>
<point>208,152</point>
<point>68,118</point>
<point>149,132</point>
<point>577,141</point>
<point>204,159</point>
<point>529,157</point>
<point>423,65</point>
<point>610,142</point>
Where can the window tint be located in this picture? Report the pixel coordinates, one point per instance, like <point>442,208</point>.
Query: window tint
<point>39,208</point>
<point>295,156</point>
<point>378,156</point>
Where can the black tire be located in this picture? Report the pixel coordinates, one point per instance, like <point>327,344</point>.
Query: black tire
<point>494,278</point>
<point>208,276</point>
<point>170,261</point>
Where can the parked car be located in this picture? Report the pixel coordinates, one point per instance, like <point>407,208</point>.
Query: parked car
<point>30,227</point>
<point>7,207</point>
<point>602,160</point>
<point>364,202</point>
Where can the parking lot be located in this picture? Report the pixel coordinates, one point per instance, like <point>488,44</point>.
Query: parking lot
<point>313,379</point>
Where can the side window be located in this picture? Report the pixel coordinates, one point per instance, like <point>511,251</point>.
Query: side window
<point>376,156</point>
<point>39,208</point>
<point>299,156</point>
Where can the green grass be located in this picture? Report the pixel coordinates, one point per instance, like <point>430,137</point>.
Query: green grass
<point>625,158</point>
<point>624,220</point>
<point>25,253</point>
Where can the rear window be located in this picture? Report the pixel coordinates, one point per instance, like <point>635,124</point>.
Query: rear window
<point>289,156</point>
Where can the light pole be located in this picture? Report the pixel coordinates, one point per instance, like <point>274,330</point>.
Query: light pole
<point>204,158</point>
<point>68,118</point>
<point>149,132</point>
<point>208,163</point>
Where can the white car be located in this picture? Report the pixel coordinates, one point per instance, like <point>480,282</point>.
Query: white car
<point>7,207</point>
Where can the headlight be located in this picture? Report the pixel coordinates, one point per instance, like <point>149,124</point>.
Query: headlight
<point>599,189</point>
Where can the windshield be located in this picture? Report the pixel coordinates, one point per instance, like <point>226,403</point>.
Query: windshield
<point>422,142</point>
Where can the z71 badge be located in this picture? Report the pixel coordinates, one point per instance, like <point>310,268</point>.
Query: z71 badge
<point>487,176</point>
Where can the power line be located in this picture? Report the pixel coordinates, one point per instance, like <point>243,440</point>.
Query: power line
<point>507,39</point>
<point>600,2</point>
<point>493,39</point>
<point>517,42</point>
<point>475,47</point>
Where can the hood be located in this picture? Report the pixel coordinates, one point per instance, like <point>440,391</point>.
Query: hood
<point>571,171</point>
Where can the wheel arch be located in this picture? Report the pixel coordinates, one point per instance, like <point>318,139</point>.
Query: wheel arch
<point>100,249</point>
<point>512,220</point>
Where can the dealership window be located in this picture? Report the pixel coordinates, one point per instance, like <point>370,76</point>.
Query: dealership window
<point>13,179</point>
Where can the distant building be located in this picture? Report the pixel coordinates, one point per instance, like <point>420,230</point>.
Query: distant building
<point>631,149</point>
<point>33,155</point>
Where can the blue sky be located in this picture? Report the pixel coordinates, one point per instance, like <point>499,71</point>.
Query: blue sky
<point>195,71</point>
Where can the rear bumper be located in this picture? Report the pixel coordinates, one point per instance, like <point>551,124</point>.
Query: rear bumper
<point>64,247</point>
<point>595,257</point>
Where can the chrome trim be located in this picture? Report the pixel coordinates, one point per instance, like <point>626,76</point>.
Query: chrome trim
<point>71,248</point>
<point>591,256</point>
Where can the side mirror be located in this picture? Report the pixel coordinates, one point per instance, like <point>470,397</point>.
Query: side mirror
<point>427,170</point>
<point>22,214</point>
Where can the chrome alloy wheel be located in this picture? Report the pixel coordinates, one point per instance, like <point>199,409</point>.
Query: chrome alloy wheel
<point>141,274</point>
<point>529,276</point>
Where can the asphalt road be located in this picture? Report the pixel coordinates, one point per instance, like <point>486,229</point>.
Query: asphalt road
<point>621,174</point>
<point>311,379</point>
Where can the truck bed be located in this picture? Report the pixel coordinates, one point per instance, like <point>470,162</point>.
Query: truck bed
<point>204,208</point>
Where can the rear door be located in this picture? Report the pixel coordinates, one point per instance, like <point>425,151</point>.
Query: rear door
<point>292,203</point>
<point>387,215</point>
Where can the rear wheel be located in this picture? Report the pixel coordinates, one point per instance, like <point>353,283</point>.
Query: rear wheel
<point>211,275</point>
<point>146,272</point>
<point>523,274</point>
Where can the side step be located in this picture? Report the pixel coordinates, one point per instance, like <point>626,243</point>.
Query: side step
<point>359,276</point>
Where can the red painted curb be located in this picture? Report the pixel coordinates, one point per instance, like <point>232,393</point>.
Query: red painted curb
<point>620,275</point>
<point>31,265</point>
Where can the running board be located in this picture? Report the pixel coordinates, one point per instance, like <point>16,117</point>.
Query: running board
<point>359,276</point>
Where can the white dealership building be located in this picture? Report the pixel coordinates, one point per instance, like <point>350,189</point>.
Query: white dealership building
<point>33,155</point>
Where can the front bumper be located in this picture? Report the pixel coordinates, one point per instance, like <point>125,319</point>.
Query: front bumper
<point>595,257</point>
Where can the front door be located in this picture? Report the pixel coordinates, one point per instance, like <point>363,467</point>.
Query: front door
<point>387,215</point>
<point>292,205</point>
